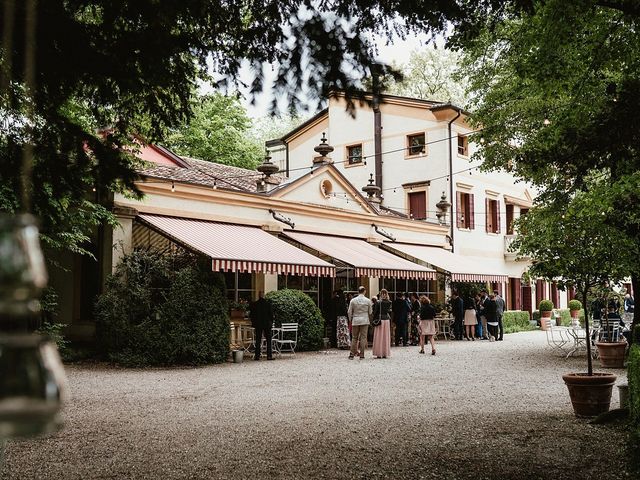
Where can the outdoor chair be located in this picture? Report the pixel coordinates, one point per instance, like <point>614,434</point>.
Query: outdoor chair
<point>275,334</point>
<point>247,337</point>
<point>287,338</point>
<point>555,337</point>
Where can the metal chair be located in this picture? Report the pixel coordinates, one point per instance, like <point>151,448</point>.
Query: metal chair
<point>247,337</point>
<point>287,338</point>
<point>555,338</point>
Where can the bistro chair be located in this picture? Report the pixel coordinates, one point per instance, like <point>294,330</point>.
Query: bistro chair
<point>247,337</point>
<point>287,339</point>
<point>555,338</point>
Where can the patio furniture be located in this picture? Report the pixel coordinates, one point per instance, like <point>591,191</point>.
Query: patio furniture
<point>443,327</point>
<point>287,338</point>
<point>246,337</point>
<point>557,338</point>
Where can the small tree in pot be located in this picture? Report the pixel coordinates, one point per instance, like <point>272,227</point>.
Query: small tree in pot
<point>572,246</point>
<point>545,308</point>
<point>574,309</point>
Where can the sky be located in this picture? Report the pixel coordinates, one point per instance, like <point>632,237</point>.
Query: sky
<point>398,51</point>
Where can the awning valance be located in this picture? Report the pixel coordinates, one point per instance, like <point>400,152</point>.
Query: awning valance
<point>368,260</point>
<point>462,269</point>
<point>239,248</point>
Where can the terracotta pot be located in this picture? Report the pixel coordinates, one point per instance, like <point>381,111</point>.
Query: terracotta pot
<point>544,315</point>
<point>590,394</point>
<point>611,354</point>
<point>574,313</point>
<point>237,313</point>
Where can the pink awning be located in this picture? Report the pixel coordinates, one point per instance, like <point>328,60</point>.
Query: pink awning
<point>239,248</point>
<point>368,260</point>
<point>462,269</point>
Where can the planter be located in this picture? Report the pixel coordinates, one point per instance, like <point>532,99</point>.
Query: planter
<point>238,355</point>
<point>611,354</point>
<point>544,315</point>
<point>574,313</point>
<point>237,314</point>
<point>590,394</point>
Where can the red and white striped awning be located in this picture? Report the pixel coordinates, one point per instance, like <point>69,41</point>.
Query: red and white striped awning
<point>461,268</point>
<point>239,248</point>
<point>368,260</point>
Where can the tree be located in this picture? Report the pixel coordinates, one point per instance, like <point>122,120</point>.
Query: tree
<point>432,74</point>
<point>217,132</point>
<point>94,73</point>
<point>554,87</point>
<point>573,247</point>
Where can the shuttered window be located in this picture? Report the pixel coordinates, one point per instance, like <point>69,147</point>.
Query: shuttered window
<point>418,205</point>
<point>465,210</point>
<point>492,216</point>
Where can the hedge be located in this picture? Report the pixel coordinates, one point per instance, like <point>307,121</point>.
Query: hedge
<point>565,315</point>
<point>633,378</point>
<point>296,306</point>
<point>516,321</point>
<point>150,314</point>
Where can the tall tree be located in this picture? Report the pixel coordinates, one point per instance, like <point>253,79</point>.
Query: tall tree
<point>433,74</point>
<point>218,131</point>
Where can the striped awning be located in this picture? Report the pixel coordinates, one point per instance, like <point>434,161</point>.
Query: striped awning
<point>368,260</point>
<point>461,268</point>
<point>239,248</point>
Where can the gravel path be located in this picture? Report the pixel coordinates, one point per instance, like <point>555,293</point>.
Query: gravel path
<point>476,410</point>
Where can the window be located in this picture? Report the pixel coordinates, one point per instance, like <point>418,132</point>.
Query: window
<point>463,145</point>
<point>418,205</point>
<point>509,215</point>
<point>416,144</point>
<point>492,215</point>
<point>354,154</point>
<point>465,210</point>
<point>240,286</point>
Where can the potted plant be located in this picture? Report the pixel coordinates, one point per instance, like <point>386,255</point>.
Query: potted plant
<point>574,310</point>
<point>545,308</point>
<point>238,310</point>
<point>569,241</point>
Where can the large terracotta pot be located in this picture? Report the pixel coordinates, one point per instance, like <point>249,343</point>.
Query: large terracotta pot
<point>590,394</point>
<point>611,354</point>
<point>543,315</point>
<point>574,313</point>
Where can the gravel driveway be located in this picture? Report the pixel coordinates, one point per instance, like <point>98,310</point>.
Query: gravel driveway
<point>476,410</point>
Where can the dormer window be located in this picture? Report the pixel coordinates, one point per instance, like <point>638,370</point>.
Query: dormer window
<point>416,144</point>
<point>354,154</point>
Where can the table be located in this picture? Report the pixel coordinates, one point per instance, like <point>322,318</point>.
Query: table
<point>443,327</point>
<point>579,337</point>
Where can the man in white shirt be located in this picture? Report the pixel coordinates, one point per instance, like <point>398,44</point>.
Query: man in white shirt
<point>359,313</point>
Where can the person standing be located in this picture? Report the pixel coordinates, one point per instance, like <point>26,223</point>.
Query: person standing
<point>500,307</point>
<point>629,308</point>
<point>359,312</point>
<point>382,333</point>
<point>470,319</point>
<point>427,323</point>
<point>400,309</point>
<point>484,298</point>
<point>261,314</point>
<point>415,320</point>
<point>457,310</point>
<point>342,339</point>
<point>490,315</point>
<point>476,302</point>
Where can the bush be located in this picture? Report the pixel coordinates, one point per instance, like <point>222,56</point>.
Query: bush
<point>54,332</point>
<point>545,306</point>
<point>516,321</point>
<point>296,306</point>
<point>633,377</point>
<point>575,304</point>
<point>151,315</point>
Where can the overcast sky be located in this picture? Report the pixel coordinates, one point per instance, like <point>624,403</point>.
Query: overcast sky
<point>397,52</point>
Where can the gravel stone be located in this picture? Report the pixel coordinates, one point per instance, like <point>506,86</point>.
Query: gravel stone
<point>477,410</point>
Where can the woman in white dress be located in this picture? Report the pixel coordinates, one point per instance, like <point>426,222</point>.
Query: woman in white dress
<point>427,323</point>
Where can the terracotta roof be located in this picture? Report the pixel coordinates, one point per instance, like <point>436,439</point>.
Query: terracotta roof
<point>200,172</point>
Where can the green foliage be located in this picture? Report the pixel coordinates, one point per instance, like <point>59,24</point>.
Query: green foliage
<point>54,332</point>
<point>432,74</point>
<point>545,306</point>
<point>218,132</point>
<point>516,321</point>
<point>151,315</point>
<point>575,304</point>
<point>296,306</point>
<point>633,377</point>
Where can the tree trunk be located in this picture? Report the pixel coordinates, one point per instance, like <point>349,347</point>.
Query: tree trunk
<point>586,329</point>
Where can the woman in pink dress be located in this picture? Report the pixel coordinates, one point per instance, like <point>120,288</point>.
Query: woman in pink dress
<point>427,323</point>
<point>382,333</point>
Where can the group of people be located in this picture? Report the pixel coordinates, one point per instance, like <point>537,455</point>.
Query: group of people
<point>363,312</point>
<point>479,316</point>
<point>610,310</point>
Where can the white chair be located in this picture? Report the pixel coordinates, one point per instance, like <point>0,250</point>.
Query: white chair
<point>287,338</point>
<point>247,337</point>
<point>555,337</point>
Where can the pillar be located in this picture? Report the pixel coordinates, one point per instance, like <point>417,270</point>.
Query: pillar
<point>122,235</point>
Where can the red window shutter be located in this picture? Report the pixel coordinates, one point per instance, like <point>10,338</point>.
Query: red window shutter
<point>471,212</point>
<point>459,210</point>
<point>497,222</point>
<point>539,292</point>
<point>509,209</point>
<point>487,216</point>
<point>418,205</point>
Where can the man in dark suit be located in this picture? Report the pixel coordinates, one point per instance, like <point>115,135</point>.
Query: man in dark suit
<point>400,311</point>
<point>457,310</point>
<point>261,315</point>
